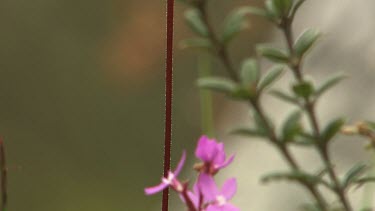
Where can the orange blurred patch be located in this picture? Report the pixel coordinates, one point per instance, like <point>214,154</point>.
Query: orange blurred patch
<point>136,47</point>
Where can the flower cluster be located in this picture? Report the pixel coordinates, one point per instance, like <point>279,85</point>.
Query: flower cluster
<point>205,195</point>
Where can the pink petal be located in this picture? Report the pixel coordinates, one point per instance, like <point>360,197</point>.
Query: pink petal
<point>194,198</point>
<point>155,189</point>
<point>229,207</point>
<point>220,154</point>
<point>226,163</point>
<point>213,208</point>
<point>225,207</point>
<point>196,189</point>
<point>180,164</point>
<point>200,151</point>
<point>208,187</point>
<point>229,188</point>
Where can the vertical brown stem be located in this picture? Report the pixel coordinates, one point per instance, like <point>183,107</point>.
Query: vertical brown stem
<point>168,99</point>
<point>4,195</point>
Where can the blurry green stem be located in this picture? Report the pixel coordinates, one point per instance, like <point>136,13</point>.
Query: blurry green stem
<point>368,194</point>
<point>204,70</point>
<point>220,49</point>
<point>286,28</point>
<point>222,53</point>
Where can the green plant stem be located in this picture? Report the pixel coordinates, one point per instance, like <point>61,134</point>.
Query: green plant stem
<point>368,193</point>
<point>220,49</point>
<point>204,70</point>
<point>224,57</point>
<point>309,105</point>
<point>289,158</point>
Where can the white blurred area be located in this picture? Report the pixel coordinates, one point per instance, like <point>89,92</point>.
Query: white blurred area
<point>347,45</point>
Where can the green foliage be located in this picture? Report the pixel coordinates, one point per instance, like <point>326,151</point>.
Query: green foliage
<point>279,8</point>
<point>260,123</point>
<point>303,89</point>
<point>258,12</point>
<point>250,84</point>
<point>328,84</point>
<point>225,86</point>
<point>193,18</point>
<point>332,129</point>
<point>234,23</point>
<point>249,72</point>
<point>249,132</point>
<point>361,181</point>
<point>271,76</point>
<point>242,93</point>
<point>273,54</point>
<point>197,43</point>
<point>285,97</point>
<point>294,176</point>
<point>305,41</point>
<point>217,84</point>
<point>353,174</point>
<point>292,126</point>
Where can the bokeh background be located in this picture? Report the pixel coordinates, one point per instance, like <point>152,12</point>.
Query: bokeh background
<point>82,100</point>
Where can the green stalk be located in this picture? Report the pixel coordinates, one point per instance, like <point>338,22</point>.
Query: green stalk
<point>204,70</point>
<point>368,193</point>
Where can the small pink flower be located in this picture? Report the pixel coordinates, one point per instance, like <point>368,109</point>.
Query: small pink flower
<point>212,154</point>
<point>217,199</point>
<point>171,180</point>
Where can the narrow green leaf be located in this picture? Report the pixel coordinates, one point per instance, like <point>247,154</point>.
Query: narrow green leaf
<point>353,174</point>
<point>292,126</point>
<point>249,132</point>
<point>304,89</point>
<point>272,10</point>
<point>329,83</point>
<point>234,23</point>
<point>332,129</point>
<point>194,20</point>
<point>293,176</point>
<point>273,54</point>
<point>304,139</point>
<point>270,77</point>
<point>260,123</point>
<point>285,97</point>
<point>364,180</point>
<point>302,142</point>
<point>283,6</point>
<point>241,93</point>
<point>249,72</point>
<point>196,43</point>
<point>305,41</point>
<point>217,84</point>
<point>256,11</point>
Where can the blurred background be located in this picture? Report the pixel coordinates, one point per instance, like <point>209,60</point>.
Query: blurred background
<point>82,100</point>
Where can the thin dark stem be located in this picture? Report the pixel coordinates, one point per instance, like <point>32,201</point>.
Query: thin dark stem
<point>4,195</point>
<point>187,199</point>
<point>168,100</point>
<point>309,105</point>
